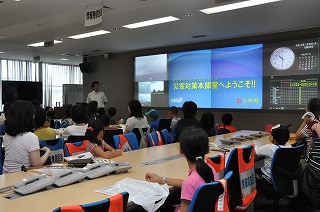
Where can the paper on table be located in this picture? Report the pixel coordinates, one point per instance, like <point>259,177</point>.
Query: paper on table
<point>149,195</point>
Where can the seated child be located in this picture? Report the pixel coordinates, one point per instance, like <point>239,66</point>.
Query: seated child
<point>42,125</point>
<point>96,144</point>
<point>207,123</point>
<point>173,114</point>
<point>153,115</point>
<point>112,112</point>
<point>194,145</point>
<point>279,135</point>
<point>226,126</point>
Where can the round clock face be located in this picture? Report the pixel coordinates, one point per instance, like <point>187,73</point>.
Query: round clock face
<point>282,58</point>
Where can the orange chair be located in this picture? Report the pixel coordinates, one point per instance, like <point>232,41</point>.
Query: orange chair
<point>243,182</point>
<point>126,142</point>
<point>117,203</point>
<point>218,163</point>
<point>71,148</point>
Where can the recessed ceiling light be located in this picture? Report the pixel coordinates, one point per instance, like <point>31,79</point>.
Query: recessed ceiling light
<point>1,52</point>
<point>63,59</point>
<point>40,44</point>
<point>238,5</point>
<point>17,0</point>
<point>89,34</point>
<point>151,22</point>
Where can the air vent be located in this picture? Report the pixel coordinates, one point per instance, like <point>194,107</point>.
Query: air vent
<point>198,36</point>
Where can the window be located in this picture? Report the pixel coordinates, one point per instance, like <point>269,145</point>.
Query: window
<point>52,76</point>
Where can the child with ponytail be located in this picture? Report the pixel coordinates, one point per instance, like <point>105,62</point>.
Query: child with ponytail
<point>96,145</point>
<point>194,145</point>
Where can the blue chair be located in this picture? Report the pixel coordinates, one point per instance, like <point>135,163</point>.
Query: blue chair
<point>108,136</point>
<point>57,124</point>
<point>56,147</point>
<point>206,196</point>
<point>153,139</point>
<point>164,124</point>
<point>115,203</point>
<point>285,172</point>
<point>165,136</point>
<point>126,142</point>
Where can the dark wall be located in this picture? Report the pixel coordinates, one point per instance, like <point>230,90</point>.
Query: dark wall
<point>117,73</point>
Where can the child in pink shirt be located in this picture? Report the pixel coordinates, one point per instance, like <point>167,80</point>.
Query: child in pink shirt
<point>194,144</point>
<point>96,145</point>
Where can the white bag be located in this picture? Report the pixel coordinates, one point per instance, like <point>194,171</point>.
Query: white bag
<point>149,195</point>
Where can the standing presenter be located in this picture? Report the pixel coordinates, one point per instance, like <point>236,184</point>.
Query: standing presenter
<point>96,95</point>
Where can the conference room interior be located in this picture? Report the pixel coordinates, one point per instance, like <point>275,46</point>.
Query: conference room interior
<point>116,72</point>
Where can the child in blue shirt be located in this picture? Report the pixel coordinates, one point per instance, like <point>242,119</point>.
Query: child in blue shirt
<point>153,115</point>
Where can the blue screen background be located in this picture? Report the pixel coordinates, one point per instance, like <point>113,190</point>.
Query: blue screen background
<point>228,77</point>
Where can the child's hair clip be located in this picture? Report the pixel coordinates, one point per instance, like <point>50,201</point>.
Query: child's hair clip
<point>90,128</point>
<point>310,114</point>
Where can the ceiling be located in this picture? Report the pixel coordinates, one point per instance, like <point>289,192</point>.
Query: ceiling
<point>31,21</point>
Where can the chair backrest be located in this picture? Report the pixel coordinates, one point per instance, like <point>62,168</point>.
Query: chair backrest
<point>76,147</point>
<point>76,138</point>
<point>108,136</point>
<point>116,203</point>
<point>164,124</point>
<point>218,163</point>
<point>56,147</point>
<point>153,139</point>
<point>141,134</point>
<point>221,129</point>
<point>57,124</point>
<point>126,142</point>
<point>209,196</point>
<point>285,169</point>
<point>132,138</point>
<point>243,182</point>
<point>165,136</point>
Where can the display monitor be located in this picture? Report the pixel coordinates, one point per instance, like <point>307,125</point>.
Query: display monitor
<point>217,78</point>
<point>21,90</point>
<point>273,76</point>
<point>151,80</point>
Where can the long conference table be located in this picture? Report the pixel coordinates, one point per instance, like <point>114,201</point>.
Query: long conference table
<point>162,160</point>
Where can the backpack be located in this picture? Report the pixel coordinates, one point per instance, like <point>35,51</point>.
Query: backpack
<point>144,140</point>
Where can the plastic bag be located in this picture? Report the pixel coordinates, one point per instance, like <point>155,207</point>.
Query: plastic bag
<point>149,195</point>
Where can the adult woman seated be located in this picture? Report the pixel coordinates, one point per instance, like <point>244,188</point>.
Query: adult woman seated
<point>136,118</point>
<point>21,145</point>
